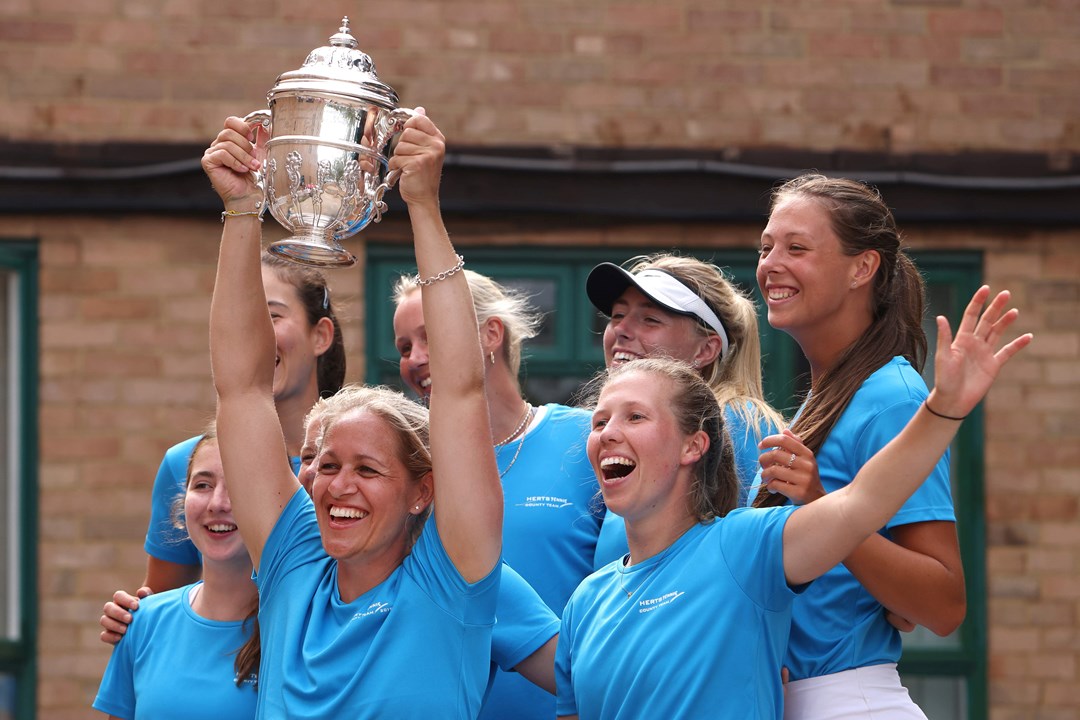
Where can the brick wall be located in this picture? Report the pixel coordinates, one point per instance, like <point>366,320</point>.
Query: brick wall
<point>124,366</point>
<point>883,75</point>
<point>124,374</point>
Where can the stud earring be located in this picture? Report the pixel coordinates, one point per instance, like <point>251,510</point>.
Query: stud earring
<point>854,284</point>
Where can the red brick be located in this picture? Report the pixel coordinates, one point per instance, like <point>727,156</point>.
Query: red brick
<point>966,78</point>
<point>989,21</point>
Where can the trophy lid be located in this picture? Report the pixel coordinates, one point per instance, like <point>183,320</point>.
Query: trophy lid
<point>341,69</point>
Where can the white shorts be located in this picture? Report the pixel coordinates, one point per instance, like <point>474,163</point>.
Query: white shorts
<point>867,693</point>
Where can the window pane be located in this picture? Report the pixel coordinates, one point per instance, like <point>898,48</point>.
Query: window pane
<point>939,697</point>
<point>922,639</point>
<point>9,526</point>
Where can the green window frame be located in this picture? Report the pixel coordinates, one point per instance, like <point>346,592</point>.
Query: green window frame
<point>18,481</point>
<point>951,670</point>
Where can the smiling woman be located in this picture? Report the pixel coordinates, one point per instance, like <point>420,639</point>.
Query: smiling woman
<point>837,280</point>
<point>348,591</point>
<point>694,621</point>
<point>685,309</point>
<point>191,635</point>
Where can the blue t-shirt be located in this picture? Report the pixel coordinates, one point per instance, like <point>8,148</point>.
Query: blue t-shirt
<point>167,653</point>
<point>702,634</point>
<point>523,623</point>
<point>836,624</point>
<point>611,545</point>
<point>163,539</point>
<point>418,645</point>
<point>551,519</point>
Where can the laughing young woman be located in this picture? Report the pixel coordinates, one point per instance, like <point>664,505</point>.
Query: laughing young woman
<point>694,622</point>
<point>685,309</point>
<point>835,278</point>
<point>367,609</point>
<point>199,636</point>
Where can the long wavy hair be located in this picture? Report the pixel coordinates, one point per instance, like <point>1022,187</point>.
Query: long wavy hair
<point>862,221</point>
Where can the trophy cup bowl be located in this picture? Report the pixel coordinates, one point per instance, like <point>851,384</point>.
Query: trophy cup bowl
<point>325,170</point>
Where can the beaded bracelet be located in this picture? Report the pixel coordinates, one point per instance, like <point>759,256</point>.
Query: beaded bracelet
<point>932,411</point>
<point>441,276</point>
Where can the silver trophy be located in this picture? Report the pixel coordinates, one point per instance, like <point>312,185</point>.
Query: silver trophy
<point>325,171</point>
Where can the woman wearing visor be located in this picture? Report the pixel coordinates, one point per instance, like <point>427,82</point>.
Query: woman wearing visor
<point>681,308</point>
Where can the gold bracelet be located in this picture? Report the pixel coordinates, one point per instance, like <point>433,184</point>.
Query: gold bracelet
<point>258,211</point>
<point>441,276</point>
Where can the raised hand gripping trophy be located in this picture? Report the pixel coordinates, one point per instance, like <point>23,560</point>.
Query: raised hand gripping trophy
<point>325,172</point>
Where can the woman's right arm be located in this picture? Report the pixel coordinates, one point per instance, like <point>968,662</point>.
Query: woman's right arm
<point>819,535</point>
<point>242,348</point>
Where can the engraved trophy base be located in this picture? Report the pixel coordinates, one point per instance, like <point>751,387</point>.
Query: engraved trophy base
<point>315,249</point>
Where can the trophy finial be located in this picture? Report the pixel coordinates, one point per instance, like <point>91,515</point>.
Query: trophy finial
<point>342,38</point>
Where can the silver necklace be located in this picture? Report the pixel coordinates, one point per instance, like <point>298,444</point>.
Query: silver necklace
<point>622,578</point>
<point>524,423</point>
<point>524,419</point>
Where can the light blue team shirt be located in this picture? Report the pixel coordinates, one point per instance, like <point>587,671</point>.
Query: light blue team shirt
<point>172,663</point>
<point>551,519</point>
<point>701,635</point>
<point>164,540</point>
<point>523,624</point>
<point>836,624</point>
<point>611,545</point>
<point>418,645</point>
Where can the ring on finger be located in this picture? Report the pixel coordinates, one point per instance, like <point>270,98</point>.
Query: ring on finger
<point>791,461</point>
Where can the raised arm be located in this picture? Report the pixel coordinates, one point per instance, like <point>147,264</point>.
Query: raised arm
<point>823,533</point>
<point>917,575</point>
<point>242,348</point>
<point>468,495</point>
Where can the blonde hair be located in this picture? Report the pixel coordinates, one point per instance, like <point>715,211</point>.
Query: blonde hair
<point>407,419</point>
<point>735,377</point>
<point>520,320</point>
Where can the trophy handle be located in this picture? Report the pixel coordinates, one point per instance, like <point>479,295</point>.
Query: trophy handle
<point>260,117</point>
<point>392,125</point>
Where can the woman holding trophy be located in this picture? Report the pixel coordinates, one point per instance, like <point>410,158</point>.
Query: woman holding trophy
<point>366,609</point>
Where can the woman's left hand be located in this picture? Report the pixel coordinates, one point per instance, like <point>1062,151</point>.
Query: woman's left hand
<point>788,467</point>
<point>965,366</point>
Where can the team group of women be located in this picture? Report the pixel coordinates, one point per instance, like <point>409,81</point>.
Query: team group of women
<point>668,552</point>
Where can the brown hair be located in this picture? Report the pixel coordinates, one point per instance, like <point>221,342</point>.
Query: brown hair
<point>314,294</point>
<point>862,221</point>
<point>714,490</point>
<point>249,654</point>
